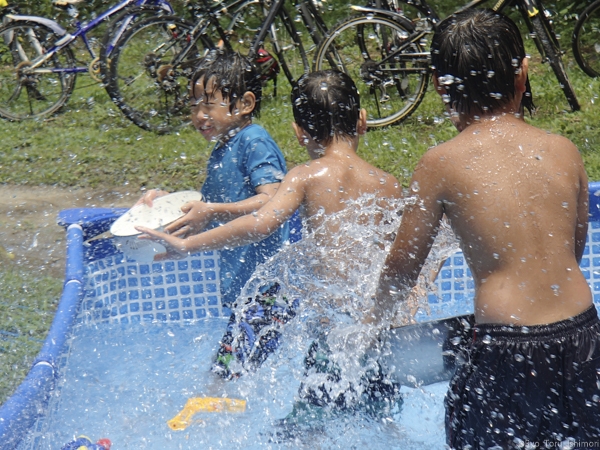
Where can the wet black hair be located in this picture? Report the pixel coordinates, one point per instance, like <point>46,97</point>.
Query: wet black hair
<point>233,75</point>
<point>476,54</point>
<point>326,104</point>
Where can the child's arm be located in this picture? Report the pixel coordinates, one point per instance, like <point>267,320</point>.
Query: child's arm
<point>243,230</point>
<point>582,214</point>
<point>418,228</point>
<point>199,214</point>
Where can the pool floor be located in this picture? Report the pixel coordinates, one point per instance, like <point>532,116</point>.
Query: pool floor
<point>125,382</point>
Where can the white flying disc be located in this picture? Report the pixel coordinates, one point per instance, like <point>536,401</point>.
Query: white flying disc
<point>164,210</point>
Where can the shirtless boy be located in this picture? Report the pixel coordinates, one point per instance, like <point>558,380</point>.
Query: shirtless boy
<point>517,198</point>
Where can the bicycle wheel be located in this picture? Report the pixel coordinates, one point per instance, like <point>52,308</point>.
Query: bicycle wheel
<point>148,75</point>
<point>545,37</point>
<point>27,92</point>
<point>390,70</point>
<point>118,26</point>
<point>586,40</point>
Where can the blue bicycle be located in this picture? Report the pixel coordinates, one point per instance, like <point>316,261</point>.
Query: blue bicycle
<point>37,64</point>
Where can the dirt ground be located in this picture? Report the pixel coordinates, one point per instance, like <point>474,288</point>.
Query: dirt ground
<point>29,234</point>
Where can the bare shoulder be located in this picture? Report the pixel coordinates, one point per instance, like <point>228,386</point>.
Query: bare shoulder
<point>560,142</point>
<point>436,158</point>
<point>305,170</point>
<point>390,186</point>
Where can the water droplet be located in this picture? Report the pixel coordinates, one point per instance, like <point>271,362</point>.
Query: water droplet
<point>487,339</point>
<point>446,80</point>
<point>519,357</point>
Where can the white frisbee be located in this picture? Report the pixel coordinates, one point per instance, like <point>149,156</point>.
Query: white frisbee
<point>164,210</point>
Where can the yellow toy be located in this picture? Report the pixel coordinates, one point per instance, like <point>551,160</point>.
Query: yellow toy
<point>204,404</point>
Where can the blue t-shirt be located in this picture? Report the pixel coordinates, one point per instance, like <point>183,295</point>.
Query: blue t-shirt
<point>235,169</point>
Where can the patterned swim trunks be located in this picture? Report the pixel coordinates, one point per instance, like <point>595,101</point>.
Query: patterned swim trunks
<point>253,332</point>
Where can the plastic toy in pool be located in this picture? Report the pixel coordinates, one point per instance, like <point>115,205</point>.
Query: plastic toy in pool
<point>205,404</point>
<point>85,443</point>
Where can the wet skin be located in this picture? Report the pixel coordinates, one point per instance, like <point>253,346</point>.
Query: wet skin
<point>517,199</point>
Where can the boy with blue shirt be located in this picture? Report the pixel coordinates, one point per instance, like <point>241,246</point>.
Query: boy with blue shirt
<point>244,169</point>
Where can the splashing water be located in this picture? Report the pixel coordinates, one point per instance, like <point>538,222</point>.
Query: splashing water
<point>333,272</point>
<point>126,382</point>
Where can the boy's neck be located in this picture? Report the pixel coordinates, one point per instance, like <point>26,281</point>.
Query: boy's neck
<point>465,122</point>
<point>232,132</point>
<point>339,145</point>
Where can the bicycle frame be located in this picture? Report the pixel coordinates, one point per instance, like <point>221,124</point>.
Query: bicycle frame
<point>199,29</point>
<point>309,14</point>
<point>310,17</point>
<point>81,32</point>
<point>531,9</point>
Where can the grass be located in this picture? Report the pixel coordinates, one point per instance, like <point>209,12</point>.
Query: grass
<point>27,307</point>
<point>90,144</point>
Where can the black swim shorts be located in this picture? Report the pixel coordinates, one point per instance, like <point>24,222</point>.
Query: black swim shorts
<point>528,387</point>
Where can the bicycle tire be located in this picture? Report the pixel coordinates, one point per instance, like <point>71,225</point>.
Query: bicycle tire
<point>32,94</point>
<point>544,36</point>
<point>586,40</point>
<point>114,31</point>
<point>145,81</point>
<point>361,47</point>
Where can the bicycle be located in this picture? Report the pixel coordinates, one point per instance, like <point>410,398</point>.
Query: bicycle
<point>386,54</point>
<point>38,67</point>
<point>586,40</point>
<point>152,62</point>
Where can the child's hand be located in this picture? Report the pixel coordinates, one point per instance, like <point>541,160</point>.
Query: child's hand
<point>176,247</point>
<point>149,197</point>
<point>197,216</point>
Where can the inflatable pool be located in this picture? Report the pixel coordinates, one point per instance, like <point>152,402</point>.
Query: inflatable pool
<point>145,335</point>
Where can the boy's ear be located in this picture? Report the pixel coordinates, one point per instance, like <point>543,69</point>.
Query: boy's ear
<point>247,103</point>
<point>300,134</point>
<point>361,126</point>
<point>521,77</point>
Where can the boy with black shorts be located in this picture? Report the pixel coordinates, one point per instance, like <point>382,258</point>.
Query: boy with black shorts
<point>517,198</point>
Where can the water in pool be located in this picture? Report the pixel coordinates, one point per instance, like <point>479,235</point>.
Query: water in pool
<point>125,382</point>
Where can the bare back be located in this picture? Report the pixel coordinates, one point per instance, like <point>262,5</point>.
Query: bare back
<point>336,179</point>
<point>517,199</point>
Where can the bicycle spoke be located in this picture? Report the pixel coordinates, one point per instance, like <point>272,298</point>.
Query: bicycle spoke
<point>586,40</point>
<point>388,66</point>
<point>47,87</point>
<point>149,73</point>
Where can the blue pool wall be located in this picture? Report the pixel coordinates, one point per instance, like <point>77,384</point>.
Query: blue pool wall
<point>101,285</point>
